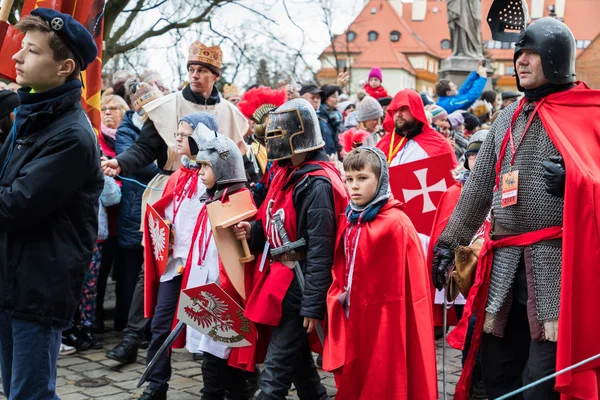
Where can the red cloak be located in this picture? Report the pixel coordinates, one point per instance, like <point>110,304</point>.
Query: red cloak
<point>578,141</point>
<point>385,349</point>
<point>429,139</point>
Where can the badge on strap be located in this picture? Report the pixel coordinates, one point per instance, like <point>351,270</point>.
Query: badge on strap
<point>510,187</point>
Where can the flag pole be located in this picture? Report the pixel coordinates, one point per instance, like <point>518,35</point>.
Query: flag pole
<point>5,10</point>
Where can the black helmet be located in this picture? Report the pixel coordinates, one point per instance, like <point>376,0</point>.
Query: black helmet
<point>555,43</point>
<point>507,18</point>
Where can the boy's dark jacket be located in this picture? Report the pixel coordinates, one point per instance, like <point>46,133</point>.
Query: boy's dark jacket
<point>317,209</point>
<point>48,206</point>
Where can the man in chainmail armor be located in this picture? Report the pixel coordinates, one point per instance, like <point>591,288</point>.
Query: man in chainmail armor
<point>520,173</point>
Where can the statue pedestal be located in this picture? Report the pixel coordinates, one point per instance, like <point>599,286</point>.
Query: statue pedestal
<point>456,69</point>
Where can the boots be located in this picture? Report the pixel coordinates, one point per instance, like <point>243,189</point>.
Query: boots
<point>150,394</point>
<point>89,337</point>
<point>73,337</point>
<point>125,352</point>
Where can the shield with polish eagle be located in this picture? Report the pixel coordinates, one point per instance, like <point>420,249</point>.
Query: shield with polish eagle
<point>212,312</point>
<point>420,185</point>
<point>159,231</point>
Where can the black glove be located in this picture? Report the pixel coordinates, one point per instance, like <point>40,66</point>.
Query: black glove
<point>554,174</point>
<point>443,258</point>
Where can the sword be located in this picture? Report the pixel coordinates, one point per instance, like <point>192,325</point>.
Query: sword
<point>161,351</point>
<point>289,247</point>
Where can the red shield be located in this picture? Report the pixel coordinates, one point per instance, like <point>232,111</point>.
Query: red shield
<point>420,185</point>
<point>211,311</point>
<point>160,234</point>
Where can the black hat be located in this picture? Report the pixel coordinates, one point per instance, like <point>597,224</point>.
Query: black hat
<point>471,121</point>
<point>312,89</point>
<point>384,101</point>
<point>75,36</point>
<point>329,90</point>
<point>9,100</point>
<point>509,94</point>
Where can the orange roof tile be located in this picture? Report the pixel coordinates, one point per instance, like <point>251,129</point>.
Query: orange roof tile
<point>426,36</point>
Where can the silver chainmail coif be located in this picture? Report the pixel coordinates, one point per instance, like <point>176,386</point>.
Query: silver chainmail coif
<point>535,209</point>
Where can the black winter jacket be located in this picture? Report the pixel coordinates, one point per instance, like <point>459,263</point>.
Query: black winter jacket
<point>315,216</point>
<point>130,209</point>
<point>49,194</point>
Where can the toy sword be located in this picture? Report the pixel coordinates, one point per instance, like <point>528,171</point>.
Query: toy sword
<point>289,247</point>
<point>161,351</point>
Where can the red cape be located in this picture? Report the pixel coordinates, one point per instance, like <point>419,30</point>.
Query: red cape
<point>376,93</point>
<point>429,139</point>
<point>385,349</point>
<point>578,141</point>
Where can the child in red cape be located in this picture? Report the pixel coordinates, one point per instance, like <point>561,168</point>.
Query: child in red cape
<point>380,341</point>
<point>373,86</point>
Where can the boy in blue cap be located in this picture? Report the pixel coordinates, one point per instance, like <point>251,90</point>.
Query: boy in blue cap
<point>50,182</point>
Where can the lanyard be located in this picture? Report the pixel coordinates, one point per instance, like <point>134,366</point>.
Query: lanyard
<point>351,244</point>
<point>181,192</point>
<point>508,138</point>
<point>392,152</point>
<point>204,242</point>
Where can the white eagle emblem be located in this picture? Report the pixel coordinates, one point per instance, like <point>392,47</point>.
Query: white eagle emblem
<point>158,237</point>
<point>209,311</point>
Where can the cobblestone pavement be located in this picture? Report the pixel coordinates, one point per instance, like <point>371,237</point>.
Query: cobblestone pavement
<point>90,375</point>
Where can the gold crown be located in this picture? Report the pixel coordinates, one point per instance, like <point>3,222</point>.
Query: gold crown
<point>199,53</point>
<point>144,95</point>
<point>230,90</point>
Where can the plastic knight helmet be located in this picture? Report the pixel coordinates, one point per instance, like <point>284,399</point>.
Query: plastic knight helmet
<point>221,153</point>
<point>293,128</point>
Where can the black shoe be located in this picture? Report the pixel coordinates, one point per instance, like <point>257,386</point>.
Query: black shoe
<point>150,394</point>
<point>319,361</point>
<point>144,344</point>
<point>125,352</point>
<point>438,332</point>
<point>73,337</point>
<point>88,336</point>
<point>197,356</point>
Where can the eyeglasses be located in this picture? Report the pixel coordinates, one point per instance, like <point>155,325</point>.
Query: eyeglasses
<point>112,109</point>
<point>177,134</point>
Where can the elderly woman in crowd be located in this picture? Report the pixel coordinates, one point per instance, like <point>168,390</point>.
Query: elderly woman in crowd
<point>112,110</point>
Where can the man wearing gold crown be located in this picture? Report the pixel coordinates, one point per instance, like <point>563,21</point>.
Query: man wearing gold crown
<point>157,141</point>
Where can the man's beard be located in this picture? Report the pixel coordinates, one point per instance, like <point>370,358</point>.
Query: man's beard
<point>405,127</point>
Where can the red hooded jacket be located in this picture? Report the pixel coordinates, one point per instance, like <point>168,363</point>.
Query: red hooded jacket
<point>429,139</point>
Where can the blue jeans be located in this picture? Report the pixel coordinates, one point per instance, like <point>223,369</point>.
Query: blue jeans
<point>28,356</point>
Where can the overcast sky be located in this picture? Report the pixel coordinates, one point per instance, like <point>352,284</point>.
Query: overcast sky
<point>306,13</point>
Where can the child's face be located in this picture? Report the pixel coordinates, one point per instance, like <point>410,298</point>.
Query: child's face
<point>184,131</point>
<point>207,176</point>
<point>362,185</point>
<point>374,82</point>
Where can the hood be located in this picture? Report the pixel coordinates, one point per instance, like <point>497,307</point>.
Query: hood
<point>383,186</point>
<point>406,97</point>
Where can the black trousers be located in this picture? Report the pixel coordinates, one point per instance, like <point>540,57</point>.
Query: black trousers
<point>162,322</point>
<point>127,268</point>
<point>109,251</point>
<point>220,379</point>
<point>515,360</point>
<point>136,323</point>
<point>289,358</point>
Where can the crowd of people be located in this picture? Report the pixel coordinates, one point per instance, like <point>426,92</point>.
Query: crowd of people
<point>331,240</point>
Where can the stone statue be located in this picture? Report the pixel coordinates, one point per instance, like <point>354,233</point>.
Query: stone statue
<point>464,22</point>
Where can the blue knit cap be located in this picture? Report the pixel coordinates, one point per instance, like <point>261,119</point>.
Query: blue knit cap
<point>204,118</point>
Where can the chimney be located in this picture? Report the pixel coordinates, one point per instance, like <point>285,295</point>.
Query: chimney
<point>419,9</point>
<point>537,9</point>
<point>397,6</point>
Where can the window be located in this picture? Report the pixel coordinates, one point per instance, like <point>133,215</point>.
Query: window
<point>395,36</point>
<point>350,36</point>
<point>506,45</point>
<point>446,44</point>
<point>373,36</point>
<point>341,64</point>
<point>509,70</point>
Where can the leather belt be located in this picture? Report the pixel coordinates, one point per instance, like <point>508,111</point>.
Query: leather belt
<point>290,257</point>
<point>500,232</point>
